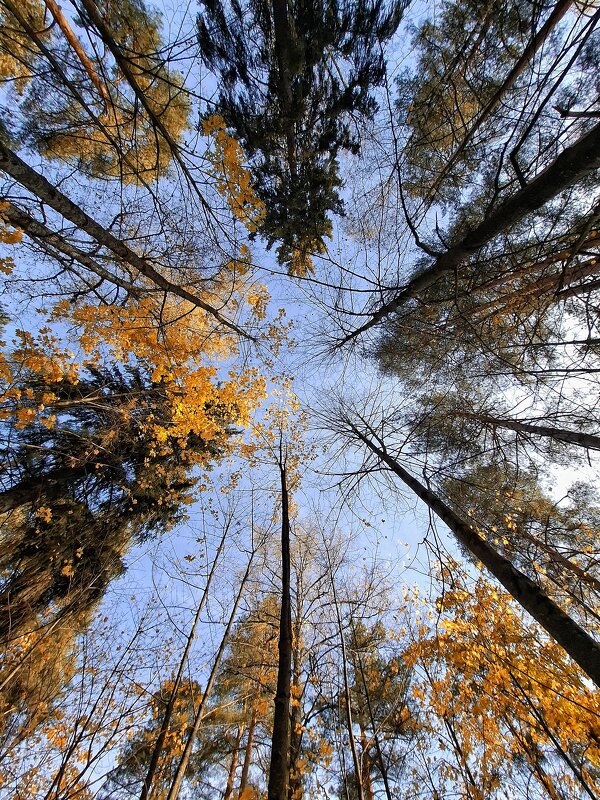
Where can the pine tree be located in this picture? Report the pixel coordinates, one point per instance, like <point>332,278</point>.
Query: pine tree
<point>81,487</point>
<point>291,80</point>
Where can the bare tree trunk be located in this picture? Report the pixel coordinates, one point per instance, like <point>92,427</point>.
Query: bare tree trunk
<point>248,752</point>
<point>280,740</point>
<point>233,764</point>
<point>579,438</point>
<point>575,641</point>
<point>347,697</point>
<point>572,165</point>
<point>537,41</point>
<point>166,720</point>
<point>50,242</point>
<point>199,716</point>
<point>86,62</point>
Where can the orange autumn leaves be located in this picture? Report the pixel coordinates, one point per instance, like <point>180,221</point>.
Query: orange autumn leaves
<point>233,180</point>
<point>501,694</point>
<point>180,356</point>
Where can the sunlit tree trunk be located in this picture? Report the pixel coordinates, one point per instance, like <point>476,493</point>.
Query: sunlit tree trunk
<point>233,763</point>
<point>571,166</point>
<point>248,751</point>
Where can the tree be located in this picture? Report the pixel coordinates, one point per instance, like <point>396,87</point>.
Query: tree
<point>456,85</point>
<point>501,699</point>
<point>98,456</point>
<point>284,92</point>
<point>121,140</point>
<point>378,694</point>
<point>281,738</point>
<point>85,485</point>
<point>560,626</point>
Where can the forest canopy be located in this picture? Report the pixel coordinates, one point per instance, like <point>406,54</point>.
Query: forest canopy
<point>299,363</point>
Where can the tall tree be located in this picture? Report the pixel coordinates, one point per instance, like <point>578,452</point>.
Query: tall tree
<point>83,485</point>
<point>280,740</point>
<point>501,700</point>
<point>291,79</point>
<point>559,625</point>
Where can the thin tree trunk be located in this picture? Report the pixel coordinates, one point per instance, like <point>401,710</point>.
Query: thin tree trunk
<point>280,740</point>
<point>537,41</point>
<point>532,755</point>
<point>591,790</point>
<point>51,241</point>
<point>45,191</point>
<point>347,697</point>
<point>125,65</point>
<point>248,752</point>
<point>199,716</point>
<point>233,764</point>
<point>86,62</point>
<point>380,759</point>
<point>471,787</point>
<point>575,641</point>
<point>572,165</point>
<point>166,720</point>
<point>367,781</point>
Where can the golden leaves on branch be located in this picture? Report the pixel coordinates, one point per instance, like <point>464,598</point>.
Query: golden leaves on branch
<point>503,688</point>
<point>233,178</point>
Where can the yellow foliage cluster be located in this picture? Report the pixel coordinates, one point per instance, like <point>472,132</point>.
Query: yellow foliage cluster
<point>143,153</point>
<point>43,356</point>
<point>121,140</point>
<point>501,687</point>
<point>8,235</point>
<point>233,178</point>
<point>16,53</point>
<point>178,356</point>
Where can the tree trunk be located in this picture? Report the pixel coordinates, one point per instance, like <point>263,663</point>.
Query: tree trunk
<point>283,49</point>
<point>295,790</point>
<point>347,696</point>
<point>365,766</point>
<point>380,759</point>
<point>572,165</point>
<point>587,440</point>
<point>233,764</point>
<point>248,752</point>
<point>280,740</point>
<point>199,715</point>
<point>50,241</point>
<point>575,641</point>
<point>537,41</point>
<point>86,62</point>
<point>534,759</point>
<point>166,720</point>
